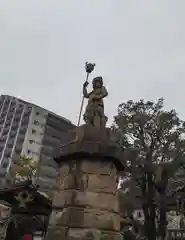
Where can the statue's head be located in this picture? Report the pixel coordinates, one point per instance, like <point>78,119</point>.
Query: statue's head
<point>97,82</point>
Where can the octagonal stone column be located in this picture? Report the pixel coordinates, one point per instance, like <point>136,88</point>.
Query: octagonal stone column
<point>86,204</point>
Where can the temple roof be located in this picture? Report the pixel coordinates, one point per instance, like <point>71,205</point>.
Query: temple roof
<point>38,202</point>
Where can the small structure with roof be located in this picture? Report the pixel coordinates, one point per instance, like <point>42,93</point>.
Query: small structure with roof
<point>30,211</point>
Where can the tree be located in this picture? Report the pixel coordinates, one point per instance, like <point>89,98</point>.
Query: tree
<point>24,169</point>
<point>156,138</point>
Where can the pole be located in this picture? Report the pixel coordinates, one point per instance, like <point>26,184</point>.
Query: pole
<point>82,103</point>
<point>89,67</point>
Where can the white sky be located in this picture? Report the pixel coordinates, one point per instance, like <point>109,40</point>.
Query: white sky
<point>138,47</point>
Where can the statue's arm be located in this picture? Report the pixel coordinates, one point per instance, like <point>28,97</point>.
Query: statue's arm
<point>104,92</point>
<point>85,93</point>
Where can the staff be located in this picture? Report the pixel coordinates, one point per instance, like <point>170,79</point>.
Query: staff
<point>89,67</point>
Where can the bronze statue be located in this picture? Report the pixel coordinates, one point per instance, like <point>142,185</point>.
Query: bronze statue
<point>94,113</point>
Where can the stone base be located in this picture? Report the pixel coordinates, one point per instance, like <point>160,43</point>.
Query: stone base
<point>92,142</point>
<point>64,233</point>
<point>85,205</point>
<point>108,235</point>
<point>56,233</point>
<point>74,217</point>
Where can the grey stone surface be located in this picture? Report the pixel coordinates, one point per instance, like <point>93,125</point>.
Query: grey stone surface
<point>86,218</point>
<point>74,181</point>
<point>65,233</point>
<point>98,167</point>
<point>56,233</point>
<point>102,183</point>
<point>62,198</point>
<point>83,234</point>
<point>101,201</point>
<point>108,235</point>
<point>86,201</point>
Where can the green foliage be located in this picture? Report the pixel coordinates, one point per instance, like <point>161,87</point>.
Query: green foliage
<point>156,137</point>
<point>154,133</point>
<point>24,169</point>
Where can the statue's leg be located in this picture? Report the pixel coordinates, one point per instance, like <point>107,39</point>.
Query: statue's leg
<point>103,118</point>
<point>97,117</point>
<point>88,116</point>
<point>97,121</point>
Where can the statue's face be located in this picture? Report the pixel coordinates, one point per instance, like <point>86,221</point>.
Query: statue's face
<point>97,83</point>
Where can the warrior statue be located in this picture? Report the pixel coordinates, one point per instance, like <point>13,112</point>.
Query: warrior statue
<point>94,113</point>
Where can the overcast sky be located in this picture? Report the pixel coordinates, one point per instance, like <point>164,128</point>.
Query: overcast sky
<point>138,47</point>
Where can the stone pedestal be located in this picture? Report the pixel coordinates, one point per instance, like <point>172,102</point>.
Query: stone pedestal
<point>86,203</point>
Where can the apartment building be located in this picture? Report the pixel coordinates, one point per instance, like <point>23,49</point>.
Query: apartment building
<point>27,129</point>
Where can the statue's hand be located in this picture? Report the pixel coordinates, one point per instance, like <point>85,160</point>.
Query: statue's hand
<point>86,83</point>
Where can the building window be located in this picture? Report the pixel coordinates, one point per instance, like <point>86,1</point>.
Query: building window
<point>31,141</point>
<point>20,106</point>
<point>37,113</point>
<point>33,131</point>
<point>5,165</point>
<point>36,122</point>
<point>29,110</point>
<point>28,151</point>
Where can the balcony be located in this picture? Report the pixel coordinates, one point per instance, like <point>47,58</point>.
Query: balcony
<point>12,133</point>
<point>8,152</point>
<point>4,136</point>
<point>17,118</point>
<point>19,111</point>
<point>2,172</point>
<point>5,131</point>
<point>48,161</point>
<point>20,139</point>
<point>60,122</point>
<point>50,131</point>
<point>1,148</point>
<point>8,121</point>
<point>48,151</point>
<point>9,117</point>
<point>25,120</point>
<point>12,108</point>
<point>27,113</point>
<point>10,144</point>
<point>22,130</point>
<point>7,126</point>
<point>2,119</point>
<point>7,102</point>
<point>15,157</point>
<point>18,147</point>
<point>50,141</point>
<point>3,114</point>
<point>15,126</point>
<point>5,162</point>
<point>3,139</point>
<point>1,122</point>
